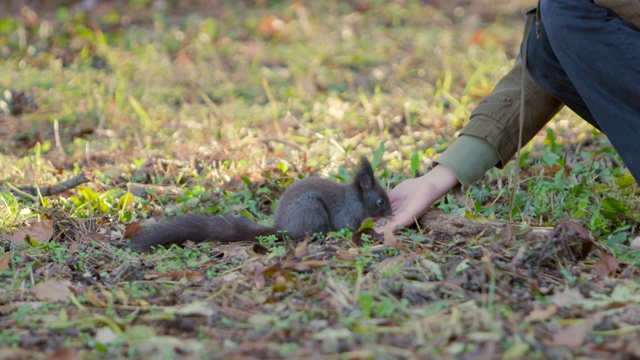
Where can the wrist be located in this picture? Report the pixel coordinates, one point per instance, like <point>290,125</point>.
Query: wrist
<point>437,182</point>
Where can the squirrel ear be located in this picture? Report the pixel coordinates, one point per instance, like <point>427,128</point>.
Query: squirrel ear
<point>365,178</point>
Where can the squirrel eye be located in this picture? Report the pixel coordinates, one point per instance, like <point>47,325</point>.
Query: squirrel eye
<point>380,201</point>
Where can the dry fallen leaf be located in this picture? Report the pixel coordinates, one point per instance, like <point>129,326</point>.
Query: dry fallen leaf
<point>271,25</point>
<point>391,240</point>
<point>566,296</point>
<point>571,336</point>
<point>54,290</point>
<point>259,278</point>
<point>280,282</point>
<point>550,171</point>
<point>94,299</point>
<point>235,251</point>
<point>346,255</point>
<point>486,255</point>
<point>97,237</point>
<point>303,248</point>
<point>38,231</point>
<point>306,265</point>
<point>607,265</point>
<point>190,275</point>
<point>17,353</point>
<point>541,314</point>
<point>508,234</point>
<point>183,59</point>
<point>4,261</point>
<point>64,353</point>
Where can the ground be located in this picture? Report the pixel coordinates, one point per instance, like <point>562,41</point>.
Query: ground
<point>117,114</point>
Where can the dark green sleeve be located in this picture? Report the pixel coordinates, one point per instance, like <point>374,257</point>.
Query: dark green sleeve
<point>469,158</point>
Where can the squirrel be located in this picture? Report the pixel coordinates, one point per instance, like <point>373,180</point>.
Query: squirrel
<point>313,205</point>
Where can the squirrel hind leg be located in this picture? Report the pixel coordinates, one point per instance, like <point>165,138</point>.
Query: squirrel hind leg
<point>305,216</point>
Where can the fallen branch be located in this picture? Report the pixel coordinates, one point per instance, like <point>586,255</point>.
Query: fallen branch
<point>32,192</point>
<point>448,226</point>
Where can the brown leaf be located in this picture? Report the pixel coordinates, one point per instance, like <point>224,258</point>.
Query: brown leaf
<point>280,283</point>
<point>9,353</point>
<point>508,234</point>
<point>273,269</point>
<point>94,299</point>
<point>190,275</point>
<point>303,248</point>
<point>566,296</point>
<point>235,251</point>
<point>271,25</point>
<point>260,249</point>
<point>569,241</point>
<point>485,262</point>
<point>391,240</point>
<point>4,261</point>
<point>347,256</point>
<point>571,336</point>
<point>607,265</point>
<point>83,132</point>
<point>306,265</point>
<point>630,272</point>
<point>54,290</point>
<point>541,314</point>
<point>97,237</point>
<point>550,171</point>
<point>486,255</point>
<point>64,353</point>
<point>588,241</point>
<point>575,235</point>
<point>38,231</point>
<point>53,270</point>
<point>259,277</point>
<point>182,59</point>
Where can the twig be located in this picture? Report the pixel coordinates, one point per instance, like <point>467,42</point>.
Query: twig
<point>266,140</point>
<point>33,191</point>
<point>617,332</point>
<point>19,192</point>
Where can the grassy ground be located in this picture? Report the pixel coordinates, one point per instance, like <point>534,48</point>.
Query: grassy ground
<point>177,107</point>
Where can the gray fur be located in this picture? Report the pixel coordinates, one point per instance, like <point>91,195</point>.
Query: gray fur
<point>313,205</point>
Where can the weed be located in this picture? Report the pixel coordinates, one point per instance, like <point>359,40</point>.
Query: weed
<point>172,114</point>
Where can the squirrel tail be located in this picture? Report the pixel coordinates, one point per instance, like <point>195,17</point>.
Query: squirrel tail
<point>222,229</point>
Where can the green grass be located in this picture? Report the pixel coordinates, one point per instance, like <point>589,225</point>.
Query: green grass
<point>174,112</point>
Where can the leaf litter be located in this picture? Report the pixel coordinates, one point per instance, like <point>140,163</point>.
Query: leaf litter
<point>431,297</point>
<point>461,287</point>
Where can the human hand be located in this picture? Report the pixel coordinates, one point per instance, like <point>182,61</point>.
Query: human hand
<point>413,197</point>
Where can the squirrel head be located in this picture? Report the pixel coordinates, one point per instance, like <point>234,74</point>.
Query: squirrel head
<point>374,197</point>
